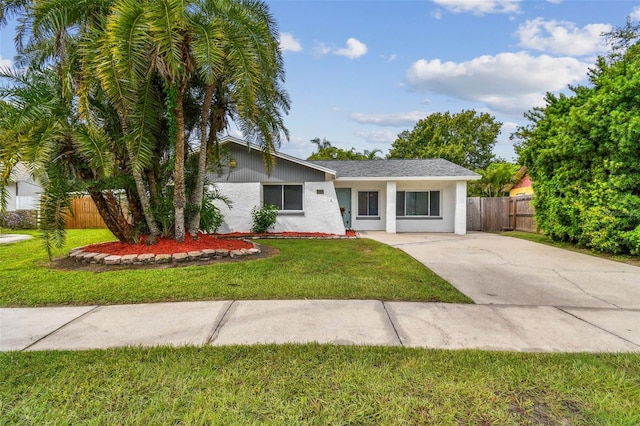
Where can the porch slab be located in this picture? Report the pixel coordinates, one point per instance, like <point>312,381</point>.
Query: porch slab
<point>173,324</point>
<point>349,322</point>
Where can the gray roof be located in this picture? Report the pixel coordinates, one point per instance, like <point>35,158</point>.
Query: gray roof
<point>427,168</point>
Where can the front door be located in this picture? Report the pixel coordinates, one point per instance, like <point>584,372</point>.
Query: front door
<point>344,201</point>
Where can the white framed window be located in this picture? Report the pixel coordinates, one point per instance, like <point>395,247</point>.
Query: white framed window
<point>418,203</point>
<point>284,197</point>
<point>368,203</point>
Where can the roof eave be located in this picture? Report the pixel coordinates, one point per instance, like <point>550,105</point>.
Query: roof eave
<point>404,178</point>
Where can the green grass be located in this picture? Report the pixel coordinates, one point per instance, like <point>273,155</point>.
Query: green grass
<point>544,239</point>
<point>311,269</point>
<point>317,384</point>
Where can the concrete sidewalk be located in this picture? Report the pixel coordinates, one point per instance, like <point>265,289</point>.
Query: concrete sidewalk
<point>13,238</point>
<point>357,322</point>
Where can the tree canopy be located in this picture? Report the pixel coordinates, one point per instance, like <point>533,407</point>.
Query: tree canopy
<point>134,94</point>
<point>583,155</point>
<point>326,151</point>
<point>466,138</point>
<point>493,181</point>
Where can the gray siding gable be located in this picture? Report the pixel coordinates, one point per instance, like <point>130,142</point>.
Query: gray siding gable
<point>250,167</point>
<point>419,168</point>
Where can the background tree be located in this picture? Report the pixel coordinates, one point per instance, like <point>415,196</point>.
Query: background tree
<point>583,155</point>
<point>326,151</point>
<point>493,181</point>
<point>466,138</point>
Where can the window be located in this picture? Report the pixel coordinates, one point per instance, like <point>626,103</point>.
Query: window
<point>418,203</point>
<point>284,197</point>
<point>368,203</point>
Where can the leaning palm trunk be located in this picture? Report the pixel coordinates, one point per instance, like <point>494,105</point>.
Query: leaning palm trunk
<point>110,211</point>
<point>198,192</point>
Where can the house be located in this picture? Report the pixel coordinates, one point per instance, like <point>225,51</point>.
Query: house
<point>522,184</point>
<point>23,191</point>
<point>332,196</point>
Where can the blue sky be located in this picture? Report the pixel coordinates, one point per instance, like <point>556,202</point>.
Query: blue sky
<point>360,72</point>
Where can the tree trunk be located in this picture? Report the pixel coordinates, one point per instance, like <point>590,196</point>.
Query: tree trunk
<point>179,199</point>
<point>110,211</point>
<point>135,208</point>
<point>198,192</point>
<point>146,207</point>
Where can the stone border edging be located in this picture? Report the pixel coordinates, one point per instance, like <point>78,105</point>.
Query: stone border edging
<point>79,255</point>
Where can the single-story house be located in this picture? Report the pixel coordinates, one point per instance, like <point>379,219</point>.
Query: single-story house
<point>333,196</point>
<point>23,191</point>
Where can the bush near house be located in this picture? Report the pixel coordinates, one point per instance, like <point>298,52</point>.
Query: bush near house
<point>21,219</point>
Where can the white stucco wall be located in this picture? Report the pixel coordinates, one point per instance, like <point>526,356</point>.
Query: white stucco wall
<point>321,211</point>
<point>367,223</point>
<point>460,224</point>
<point>244,197</point>
<point>11,200</point>
<point>445,223</point>
<point>387,202</point>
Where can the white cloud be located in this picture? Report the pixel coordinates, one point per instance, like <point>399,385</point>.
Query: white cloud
<point>561,37</point>
<point>321,49</point>
<point>478,7</point>
<point>635,14</point>
<point>437,14</point>
<point>389,120</point>
<point>507,82</point>
<point>288,43</point>
<point>554,1</point>
<point>389,58</point>
<point>385,137</point>
<point>354,49</point>
<point>5,63</point>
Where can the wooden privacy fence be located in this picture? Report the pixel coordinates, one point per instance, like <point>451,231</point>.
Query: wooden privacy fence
<point>85,214</point>
<point>500,214</point>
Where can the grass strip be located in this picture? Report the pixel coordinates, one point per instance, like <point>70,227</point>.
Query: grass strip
<point>317,384</point>
<point>304,269</point>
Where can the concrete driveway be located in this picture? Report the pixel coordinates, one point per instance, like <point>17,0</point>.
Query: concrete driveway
<point>494,269</point>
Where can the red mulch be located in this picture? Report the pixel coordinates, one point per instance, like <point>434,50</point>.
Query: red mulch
<point>165,246</point>
<point>285,234</point>
<point>205,241</point>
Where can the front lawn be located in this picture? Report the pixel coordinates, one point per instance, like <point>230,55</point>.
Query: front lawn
<point>317,384</point>
<point>304,269</point>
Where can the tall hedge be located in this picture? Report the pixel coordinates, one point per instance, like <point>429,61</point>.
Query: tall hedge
<point>583,156</point>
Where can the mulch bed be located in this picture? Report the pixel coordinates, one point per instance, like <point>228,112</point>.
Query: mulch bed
<point>168,246</point>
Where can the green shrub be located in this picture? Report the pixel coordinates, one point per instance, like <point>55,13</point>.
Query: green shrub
<point>210,217</point>
<point>263,218</point>
<point>21,219</point>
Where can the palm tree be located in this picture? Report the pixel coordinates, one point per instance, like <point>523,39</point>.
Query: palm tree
<point>49,36</point>
<point>41,127</point>
<point>245,85</point>
<point>230,47</point>
<point>128,66</point>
